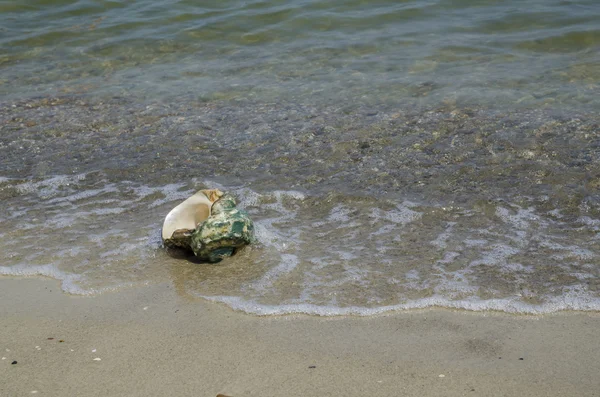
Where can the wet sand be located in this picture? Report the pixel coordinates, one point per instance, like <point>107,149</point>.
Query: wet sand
<point>152,341</point>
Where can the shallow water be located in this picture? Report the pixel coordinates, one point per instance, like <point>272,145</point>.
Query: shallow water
<point>393,155</point>
<point>499,53</point>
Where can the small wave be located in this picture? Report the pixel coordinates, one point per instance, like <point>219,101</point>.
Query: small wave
<point>338,254</point>
<point>70,282</point>
<point>573,301</point>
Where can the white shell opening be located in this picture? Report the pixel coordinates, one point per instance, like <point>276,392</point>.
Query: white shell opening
<point>187,215</point>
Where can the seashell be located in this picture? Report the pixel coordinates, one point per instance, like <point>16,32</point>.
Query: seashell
<point>209,224</point>
<point>227,229</point>
<point>183,219</point>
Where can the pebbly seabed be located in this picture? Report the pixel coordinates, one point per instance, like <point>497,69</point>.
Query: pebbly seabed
<point>357,209</point>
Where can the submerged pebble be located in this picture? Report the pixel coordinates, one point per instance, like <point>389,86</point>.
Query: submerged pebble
<point>457,207</point>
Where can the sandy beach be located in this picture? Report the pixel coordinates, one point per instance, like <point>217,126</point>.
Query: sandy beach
<point>153,341</point>
<point>422,177</point>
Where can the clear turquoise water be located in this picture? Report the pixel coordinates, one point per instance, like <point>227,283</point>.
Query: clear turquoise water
<point>393,154</point>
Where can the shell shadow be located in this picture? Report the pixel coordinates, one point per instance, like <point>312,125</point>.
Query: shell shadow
<point>187,255</point>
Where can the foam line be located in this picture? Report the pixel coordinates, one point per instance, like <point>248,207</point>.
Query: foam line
<point>512,306</point>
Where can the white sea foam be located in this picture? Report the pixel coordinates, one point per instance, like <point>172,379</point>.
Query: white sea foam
<point>441,239</point>
<point>339,213</point>
<point>265,229</point>
<point>402,215</point>
<point>111,188</point>
<point>68,280</point>
<point>512,268</point>
<point>288,263</point>
<point>475,243</point>
<point>49,187</point>
<point>586,220</point>
<point>572,300</point>
<point>520,219</point>
<point>339,258</point>
<point>495,254</point>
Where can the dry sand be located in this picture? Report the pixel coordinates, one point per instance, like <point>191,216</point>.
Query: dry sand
<point>153,342</point>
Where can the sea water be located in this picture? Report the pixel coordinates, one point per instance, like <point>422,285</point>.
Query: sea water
<point>393,155</point>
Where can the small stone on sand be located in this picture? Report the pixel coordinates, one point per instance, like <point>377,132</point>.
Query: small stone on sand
<point>97,359</point>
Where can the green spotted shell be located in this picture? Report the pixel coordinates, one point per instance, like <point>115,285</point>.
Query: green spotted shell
<point>226,229</point>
